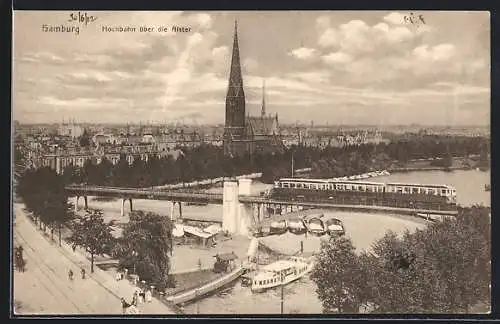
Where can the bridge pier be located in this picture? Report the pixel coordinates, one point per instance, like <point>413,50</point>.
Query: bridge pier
<point>237,217</point>
<point>172,211</point>
<point>122,211</point>
<point>85,201</point>
<point>76,203</point>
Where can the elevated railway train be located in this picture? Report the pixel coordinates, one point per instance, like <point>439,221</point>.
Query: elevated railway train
<point>403,195</point>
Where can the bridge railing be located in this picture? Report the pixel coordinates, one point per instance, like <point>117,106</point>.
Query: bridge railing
<point>123,190</point>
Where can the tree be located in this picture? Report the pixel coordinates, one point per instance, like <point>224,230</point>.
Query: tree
<point>92,234</point>
<point>443,268</point>
<point>145,245</point>
<point>121,172</point>
<point>71,174</point>
<point>337,275</point>
<point>43,193</point>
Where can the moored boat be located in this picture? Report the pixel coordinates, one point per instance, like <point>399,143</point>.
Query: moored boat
<point>178,230</point>
<point>335,227</point>
<point>316,226</point>
<point>278,227</point>
<point>278,273</point>
<point>296,226</point>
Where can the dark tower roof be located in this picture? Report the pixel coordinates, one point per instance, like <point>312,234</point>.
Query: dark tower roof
<point>235,88</point>
<point>235,101</point>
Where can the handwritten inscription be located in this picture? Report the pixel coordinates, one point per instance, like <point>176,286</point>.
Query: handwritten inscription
<point>413,19</point>
<point>82,18</point>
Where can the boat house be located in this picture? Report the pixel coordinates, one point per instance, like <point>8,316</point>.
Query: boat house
<point>225,262</point>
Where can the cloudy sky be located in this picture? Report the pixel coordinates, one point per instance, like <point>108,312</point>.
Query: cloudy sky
<point>337,67</point>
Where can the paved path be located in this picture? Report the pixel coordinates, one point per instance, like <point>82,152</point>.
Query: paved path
<point>46,289</point>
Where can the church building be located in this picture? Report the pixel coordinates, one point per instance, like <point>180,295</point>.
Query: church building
<point>243,133</point>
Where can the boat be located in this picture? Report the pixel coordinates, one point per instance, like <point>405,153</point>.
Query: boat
<point>315,226</point>
<point>433,217</point>
<point>196,204</point>
<point>296,226</point>
<point>178,230</point>
<point>278,227</point>
<point>335,227</point>
<point>195,293</point>
<point>278,273</point>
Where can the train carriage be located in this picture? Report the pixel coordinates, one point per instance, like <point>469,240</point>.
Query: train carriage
<point>404,195</point>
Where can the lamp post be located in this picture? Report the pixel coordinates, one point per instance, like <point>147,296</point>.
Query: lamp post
<point>134,255</point>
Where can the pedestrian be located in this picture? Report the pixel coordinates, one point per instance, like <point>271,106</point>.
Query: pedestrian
<point>149,296</point>
<point>20,251</point>
<point>70,274</point>
<point>74,248</point>
<point>125,305</point>
<point>83,273</point>
<point>142,296</point>
<point>134,298</point>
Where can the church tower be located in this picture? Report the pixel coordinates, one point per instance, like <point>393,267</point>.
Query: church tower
<point>235,101</point>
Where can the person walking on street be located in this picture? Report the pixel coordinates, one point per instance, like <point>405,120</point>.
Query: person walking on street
<point>83,273</point>
<point>70,274</point>
<point>125,305</point>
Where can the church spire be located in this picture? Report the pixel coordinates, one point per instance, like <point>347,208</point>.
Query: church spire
<point>235,77</point>
<point>263,109</point>
<point>235,98</point>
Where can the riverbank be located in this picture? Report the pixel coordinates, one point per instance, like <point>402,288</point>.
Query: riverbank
<point>428,168</point>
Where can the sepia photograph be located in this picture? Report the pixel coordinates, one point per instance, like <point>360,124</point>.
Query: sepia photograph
<point>187,163</point>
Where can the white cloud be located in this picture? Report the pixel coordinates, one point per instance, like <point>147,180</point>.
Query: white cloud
<point>194,39</point>
<point>42,57</point>
<point>312,76</point>
<point>303,53</point>
<point>336,58</point>
<point>201,20</point>
<point>399,34</point>
<point>220,52</point>
<point>356,37</point>
<point>91,75</point>
<point>440,52</point>
<point>329,38</point>
<point>394,18</point>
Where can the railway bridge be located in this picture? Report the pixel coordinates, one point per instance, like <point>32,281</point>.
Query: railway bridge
<point>240,209</point>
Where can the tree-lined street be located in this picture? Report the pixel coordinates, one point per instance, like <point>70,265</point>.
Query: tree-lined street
<point>46,289</point>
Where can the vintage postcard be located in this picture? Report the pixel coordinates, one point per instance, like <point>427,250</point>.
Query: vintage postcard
<point>251,162</point>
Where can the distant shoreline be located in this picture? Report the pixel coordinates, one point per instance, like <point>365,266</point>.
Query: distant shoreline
<point>429,168</point>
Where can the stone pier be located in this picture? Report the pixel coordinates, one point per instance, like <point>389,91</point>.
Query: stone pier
<point>122,211</point>
<point>85,200</point>
<point>238,217</point>
<point>172,209</point>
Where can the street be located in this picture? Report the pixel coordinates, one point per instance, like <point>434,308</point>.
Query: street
<point>44,288</point>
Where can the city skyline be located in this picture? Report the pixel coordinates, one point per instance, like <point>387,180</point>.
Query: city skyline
<point>336,67</point>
